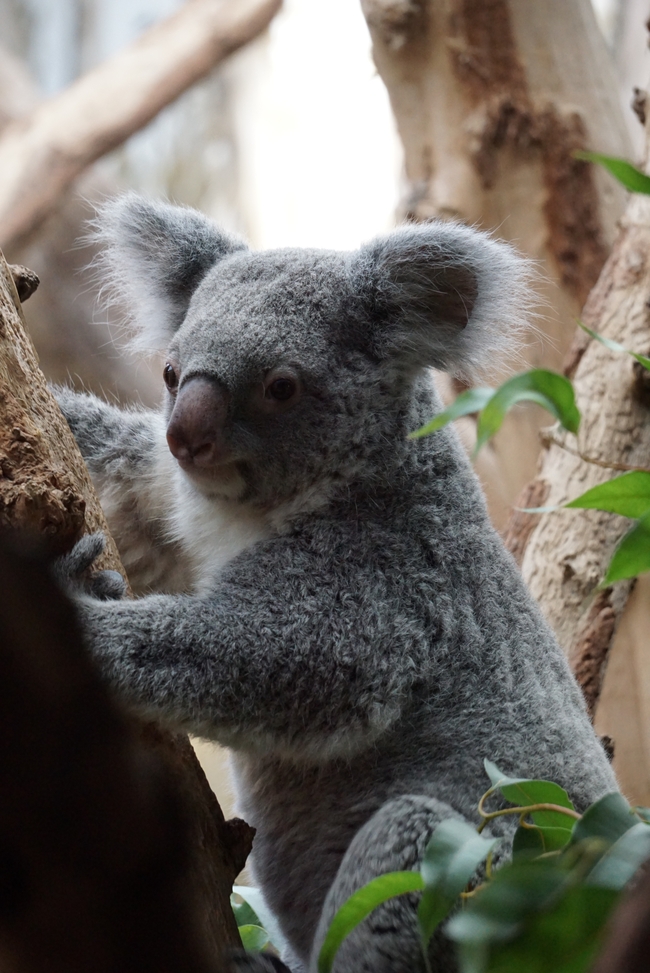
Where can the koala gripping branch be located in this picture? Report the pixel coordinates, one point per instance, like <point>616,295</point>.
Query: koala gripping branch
<point>45,488</point>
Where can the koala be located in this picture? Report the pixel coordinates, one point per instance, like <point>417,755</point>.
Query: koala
<point>317,591</point>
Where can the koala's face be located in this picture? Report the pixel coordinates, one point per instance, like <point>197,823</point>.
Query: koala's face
<point>269,386</point>
<point>292,369</point>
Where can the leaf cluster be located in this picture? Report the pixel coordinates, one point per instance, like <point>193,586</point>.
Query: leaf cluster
<point>545,910</point>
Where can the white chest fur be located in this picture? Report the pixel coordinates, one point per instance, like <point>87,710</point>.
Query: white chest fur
<point>212,530</point>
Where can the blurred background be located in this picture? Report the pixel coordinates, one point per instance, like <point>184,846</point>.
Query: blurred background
<point>290,141</point>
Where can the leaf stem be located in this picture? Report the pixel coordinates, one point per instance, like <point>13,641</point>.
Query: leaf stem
<point>548,439</point>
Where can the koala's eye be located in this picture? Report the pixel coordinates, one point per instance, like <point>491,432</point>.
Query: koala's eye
<point>281,389</point>
<point>170,376</point>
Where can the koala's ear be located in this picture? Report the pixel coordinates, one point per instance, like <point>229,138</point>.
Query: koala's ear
<point>153,258</point>
<point>444,295</point>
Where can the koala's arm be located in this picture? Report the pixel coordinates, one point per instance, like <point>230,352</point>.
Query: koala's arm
<point>291,652</point>
<point>124,450</point>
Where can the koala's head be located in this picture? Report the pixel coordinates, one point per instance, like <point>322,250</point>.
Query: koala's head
<point>289,368</point>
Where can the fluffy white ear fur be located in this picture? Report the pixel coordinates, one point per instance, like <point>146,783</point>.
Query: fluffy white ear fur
<point>452,297</point>
<point>153,257</point>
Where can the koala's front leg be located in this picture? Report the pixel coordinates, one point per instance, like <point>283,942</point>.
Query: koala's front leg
<point>131,468</point>
<point>265,659</point>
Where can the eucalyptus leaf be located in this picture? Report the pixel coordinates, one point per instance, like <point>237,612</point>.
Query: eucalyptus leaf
<point>253,938</point>
<point>628,495</point>
<point>473,400</point>
<point>632,554</point>
<point>562,939</point>
<point>523,792</point>
<point>360,905</point>
<point>264,917</point>
<point>552,391</point>
<point>454,852</point>
<point>621,862</point>
<point>615,345</point>
<point>244,914</point>
<point>531,841</point>
<point>608,818</point>
<point>627,174</point>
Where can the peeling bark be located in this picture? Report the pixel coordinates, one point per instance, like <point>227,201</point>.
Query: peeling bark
<point>491,98</point>
<point>568,552</point>
<point>45,488</point>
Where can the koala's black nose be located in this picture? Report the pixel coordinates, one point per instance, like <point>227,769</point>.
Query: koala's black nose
<point>195,430</point>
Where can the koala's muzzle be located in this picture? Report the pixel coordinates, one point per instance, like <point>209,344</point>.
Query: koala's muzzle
<point>195,430</point>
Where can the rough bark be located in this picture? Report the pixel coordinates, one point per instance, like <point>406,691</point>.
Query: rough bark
<point>491,97</point>
<point>42,153</point>
<point>45,488</point>
<point>567,553</point>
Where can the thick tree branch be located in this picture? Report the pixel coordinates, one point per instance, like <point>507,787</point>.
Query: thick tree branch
<point>41,154</point>
<point>45,488</point>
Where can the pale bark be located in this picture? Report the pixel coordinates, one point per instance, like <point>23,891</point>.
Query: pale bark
<point>491,97</point>
<point>45,487</point>
<point>568,552</point>
<point>42,153</point>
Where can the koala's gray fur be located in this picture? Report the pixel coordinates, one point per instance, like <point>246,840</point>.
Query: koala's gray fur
<point>336,606</point>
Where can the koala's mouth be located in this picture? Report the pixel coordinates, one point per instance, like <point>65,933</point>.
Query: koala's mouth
<point>219,479</point>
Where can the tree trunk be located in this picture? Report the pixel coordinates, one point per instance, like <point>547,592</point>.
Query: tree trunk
<point>491,98</point>
<point>45,488</point>
<point>567,552</point>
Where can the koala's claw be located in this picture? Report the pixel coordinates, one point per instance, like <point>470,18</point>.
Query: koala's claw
<point>107,585</point>
<point>70,570</point>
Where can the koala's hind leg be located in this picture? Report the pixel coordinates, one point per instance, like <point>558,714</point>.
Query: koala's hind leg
<point>387,941</point>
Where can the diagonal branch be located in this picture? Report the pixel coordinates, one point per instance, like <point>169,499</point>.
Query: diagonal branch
<point>41,154</point>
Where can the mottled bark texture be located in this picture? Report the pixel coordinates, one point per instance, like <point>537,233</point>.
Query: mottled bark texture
<point>491,98</point>
<point>42,152</point>
<point>45,489</point>
<point>568,552</point>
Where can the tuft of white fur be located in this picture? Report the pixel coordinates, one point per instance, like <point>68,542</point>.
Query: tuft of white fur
<point>152,257</point>
<point>410,267</point>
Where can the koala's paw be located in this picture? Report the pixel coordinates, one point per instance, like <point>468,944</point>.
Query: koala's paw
<point>241,962</point>
<point>71,570</point>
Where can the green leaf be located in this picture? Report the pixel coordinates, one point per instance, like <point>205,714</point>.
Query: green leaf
<point>552,391</point>
<point>473,400</point>
<point>522,792</point>
<point>516,891</point>
<point>632,554</point>
<point>615,345</point>
<point>620,862</point>
<point>643,813</point>
<point>628,495</point>
<point>360,905</point>
<point>562,939</point>
<point>263,915</point>
<point>627,174</point>
<point>253,938</point>
<point>608,818</point>
<point>527,843</point>
<point>531,842</point>
<point>244,915</point>
<point>453,854</point>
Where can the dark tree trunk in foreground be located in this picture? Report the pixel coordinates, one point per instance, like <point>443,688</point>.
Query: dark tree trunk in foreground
<point>45,488</point>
